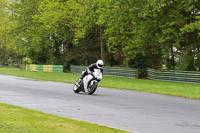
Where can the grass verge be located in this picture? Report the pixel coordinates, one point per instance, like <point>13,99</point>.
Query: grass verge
<point>20,120</point>
<point>187,90</point>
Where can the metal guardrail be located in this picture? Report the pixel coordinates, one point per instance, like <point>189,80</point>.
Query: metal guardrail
<point>112,71</point>
<point>154,74</point>
<point>174,76</point>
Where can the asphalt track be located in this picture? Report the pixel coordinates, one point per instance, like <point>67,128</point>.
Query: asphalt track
<point>127,110</point>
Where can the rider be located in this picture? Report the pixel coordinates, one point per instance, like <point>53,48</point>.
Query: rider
<point>90,68</point>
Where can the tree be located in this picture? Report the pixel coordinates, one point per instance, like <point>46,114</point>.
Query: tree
<point>85,27</point>
<point>24,28</point>
<point>54,19</point>
<point>6,47</point>
<point>134,33</point>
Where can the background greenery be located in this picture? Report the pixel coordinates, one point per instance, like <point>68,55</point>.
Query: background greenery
<point>134,33</point>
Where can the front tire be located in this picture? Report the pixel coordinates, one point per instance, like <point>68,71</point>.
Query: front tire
<point>92,88</point>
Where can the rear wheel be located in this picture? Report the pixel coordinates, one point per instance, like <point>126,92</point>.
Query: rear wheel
<point>76,87</point>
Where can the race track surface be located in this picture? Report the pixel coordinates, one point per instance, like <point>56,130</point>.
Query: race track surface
<point>127,110</point>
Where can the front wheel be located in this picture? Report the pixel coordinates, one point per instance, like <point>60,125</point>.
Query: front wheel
<point>76,87</point>
<point>92,87</point>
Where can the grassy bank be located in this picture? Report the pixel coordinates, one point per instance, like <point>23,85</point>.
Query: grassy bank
<point>168,88</point>
<point>20,120</point>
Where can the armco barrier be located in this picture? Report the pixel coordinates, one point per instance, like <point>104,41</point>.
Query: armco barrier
<point>174,76</point>
<point>45,68</point>
<point>113,71</point>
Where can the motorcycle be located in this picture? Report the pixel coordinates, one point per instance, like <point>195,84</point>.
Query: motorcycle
<point>89,83</point>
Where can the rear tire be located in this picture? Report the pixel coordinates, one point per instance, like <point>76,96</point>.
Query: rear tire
<point>76,88</point>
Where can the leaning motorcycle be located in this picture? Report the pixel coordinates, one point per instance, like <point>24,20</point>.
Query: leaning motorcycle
<point>89,83</point>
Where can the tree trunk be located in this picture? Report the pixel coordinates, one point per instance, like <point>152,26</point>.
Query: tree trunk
<point>2,60</point>
<point>102,45</point>
<point>172,59</point>
<point>198,59</point>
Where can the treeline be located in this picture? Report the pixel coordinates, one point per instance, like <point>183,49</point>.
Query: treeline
<point>134,33</point>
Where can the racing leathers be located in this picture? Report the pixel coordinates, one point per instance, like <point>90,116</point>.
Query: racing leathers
<point>90,69</point>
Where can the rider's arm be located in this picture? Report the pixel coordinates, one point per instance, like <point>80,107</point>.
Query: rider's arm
<point>91,68</point>
<point>101,70</point>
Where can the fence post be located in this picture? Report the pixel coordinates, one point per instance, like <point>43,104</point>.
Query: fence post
<point>137,73</point>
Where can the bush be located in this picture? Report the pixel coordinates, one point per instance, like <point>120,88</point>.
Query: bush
<point>139,62</point>
<point>26,61</point>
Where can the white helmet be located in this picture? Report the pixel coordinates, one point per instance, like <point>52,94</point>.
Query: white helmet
<point>99,63</point>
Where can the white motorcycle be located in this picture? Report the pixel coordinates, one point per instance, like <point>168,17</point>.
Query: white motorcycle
<point>89,83</point>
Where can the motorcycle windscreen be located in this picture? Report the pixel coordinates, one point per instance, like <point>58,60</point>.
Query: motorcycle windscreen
<point>97,74</point>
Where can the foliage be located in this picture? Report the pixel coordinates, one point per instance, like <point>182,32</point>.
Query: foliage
<point>26,61</point>
<point>151,33</point>
<point>6,42</point>
<point>139,62</point>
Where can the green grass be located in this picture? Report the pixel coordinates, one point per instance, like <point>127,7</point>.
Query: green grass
<point>20,120</point>
<point>47,76</point>
<point>187,90</point>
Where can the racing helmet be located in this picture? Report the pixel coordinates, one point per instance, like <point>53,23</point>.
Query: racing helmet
<point>99,63</point>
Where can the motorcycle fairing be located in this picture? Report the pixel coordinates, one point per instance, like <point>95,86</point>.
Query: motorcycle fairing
<point>86,79</point>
